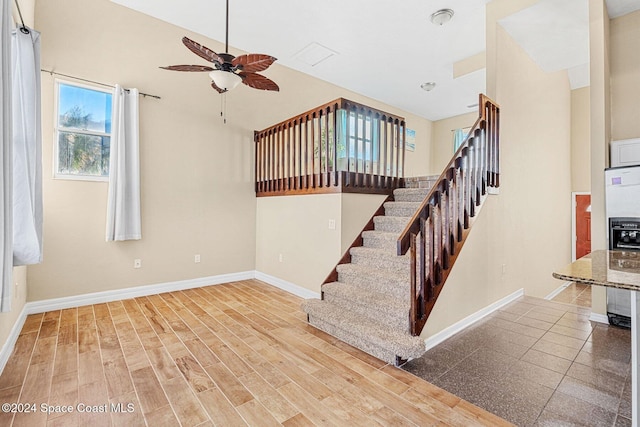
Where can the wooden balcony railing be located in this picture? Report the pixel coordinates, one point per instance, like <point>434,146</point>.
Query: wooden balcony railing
<point>342,146</point>
<point>436,232</point>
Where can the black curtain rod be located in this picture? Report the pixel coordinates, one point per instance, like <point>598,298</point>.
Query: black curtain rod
<point>94,82</point>
<point>23,28</point>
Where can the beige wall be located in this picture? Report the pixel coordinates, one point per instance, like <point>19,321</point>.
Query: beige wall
<point>625,76</point>
<point>442,139</point>
<point>580,140</point>
<point>524,233</point>
<point>196,172</point>
<point>356,210</point>
<point>297,227</point>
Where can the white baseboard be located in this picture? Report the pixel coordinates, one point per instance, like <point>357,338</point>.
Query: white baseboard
<point>555,293</point>
<point>600,318</point>
<point>436,339</point>
<point>10,342</point>
<point>287,286</point>
<point>133,292</point>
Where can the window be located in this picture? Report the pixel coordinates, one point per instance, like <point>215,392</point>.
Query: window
<point>83,132</point>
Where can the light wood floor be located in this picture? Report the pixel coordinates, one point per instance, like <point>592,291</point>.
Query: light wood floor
<point>234,354</point>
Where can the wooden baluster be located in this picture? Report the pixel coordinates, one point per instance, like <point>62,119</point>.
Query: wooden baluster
<point>271,161</point>
<point>348,146</point>
<point>313,151</point>
<point>378,152</point>
<point>355,148</point>
<point>391,152</point>
<point>286,135</point>
<point>465,187</point>
<point>424,284</point>
<point>299,138</point>
<point>335,145</point>
<point>365,178</point>
<point>430,259</point>
<point>306,153</point>
<point>413,313</point>
<point>371,151</point>
<point>476,168</point>
<point>403,144</point>
<point>327,155</point>
<point>385,145</point>
<point>497,148</point>
<point>471,176</point>
<point>398,152</point>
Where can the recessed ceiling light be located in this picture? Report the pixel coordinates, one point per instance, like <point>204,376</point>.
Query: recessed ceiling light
<point>428,86</point>
<point>442,16</point>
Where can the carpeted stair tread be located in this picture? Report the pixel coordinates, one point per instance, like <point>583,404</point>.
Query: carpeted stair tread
<point>402,209</point>
<point>379,280</point>
<point>373,337</point>
<point>380,239</point>
<point>375,305</point>
<point>390,224</point>
<point>379,258</point>
<point>410,194</point>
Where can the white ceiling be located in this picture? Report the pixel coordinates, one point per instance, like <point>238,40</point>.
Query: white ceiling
<point>386,49</point>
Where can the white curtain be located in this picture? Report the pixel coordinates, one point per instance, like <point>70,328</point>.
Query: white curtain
<point>123,206</point>
<point>6,153</point>
<point>27,149</point>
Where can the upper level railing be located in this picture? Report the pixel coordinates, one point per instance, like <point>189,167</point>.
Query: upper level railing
<point>436,232</point>
<point>342,146</point>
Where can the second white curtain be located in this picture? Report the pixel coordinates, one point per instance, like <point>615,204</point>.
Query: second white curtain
<point>27,149</point>
<point>123,206</point>
<point>6,154</point>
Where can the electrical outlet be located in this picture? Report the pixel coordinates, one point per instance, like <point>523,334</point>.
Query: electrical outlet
<point>196,258</point>
<point>332,224</point>
<point>280,257</point>
<point>504,269</point>
<point>137,263</point>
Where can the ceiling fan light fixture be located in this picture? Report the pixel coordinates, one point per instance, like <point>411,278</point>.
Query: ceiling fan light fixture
<point>441,16</point>
<point>225,80</point>
<point>428,86</point>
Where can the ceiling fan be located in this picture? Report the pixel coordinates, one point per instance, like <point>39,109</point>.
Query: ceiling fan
<point>228,70</point>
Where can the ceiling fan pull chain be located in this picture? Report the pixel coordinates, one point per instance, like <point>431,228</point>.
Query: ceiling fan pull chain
<point>223,108</point>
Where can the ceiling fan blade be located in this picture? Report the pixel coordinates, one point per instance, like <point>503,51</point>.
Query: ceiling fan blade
<point>188,68</point>
<point>202,51</point>
<point>258,81</point>
<point>213,85</point>
<point>253,62</point>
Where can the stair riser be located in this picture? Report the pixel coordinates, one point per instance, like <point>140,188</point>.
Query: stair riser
<point>398,289</point>
<point>387,245</point>
<point>399,211</point>
<point>389,225</point>
<point>355,341</point>
<point>395,264</point>
<point>399,321</point>
<point>410,195</point>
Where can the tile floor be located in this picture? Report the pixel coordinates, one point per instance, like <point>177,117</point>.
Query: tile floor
<point>538,363</point>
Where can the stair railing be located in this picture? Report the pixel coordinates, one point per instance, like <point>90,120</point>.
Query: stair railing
<point>437,231</point>
<point>341,146</point>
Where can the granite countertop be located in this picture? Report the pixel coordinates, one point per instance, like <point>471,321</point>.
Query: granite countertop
<point>615,269</point>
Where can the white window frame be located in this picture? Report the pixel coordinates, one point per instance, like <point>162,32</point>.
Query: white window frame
<point>57,129</point>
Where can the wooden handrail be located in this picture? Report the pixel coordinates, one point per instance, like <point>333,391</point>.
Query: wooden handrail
<point>435,234</point>
<point>335,147</point>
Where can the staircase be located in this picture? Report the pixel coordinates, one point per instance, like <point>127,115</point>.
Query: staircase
<point>368,306</point>
<point>381,293</point>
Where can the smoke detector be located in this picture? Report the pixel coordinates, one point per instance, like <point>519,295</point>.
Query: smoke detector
<point>441,16</point>
<point>428,86</point>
